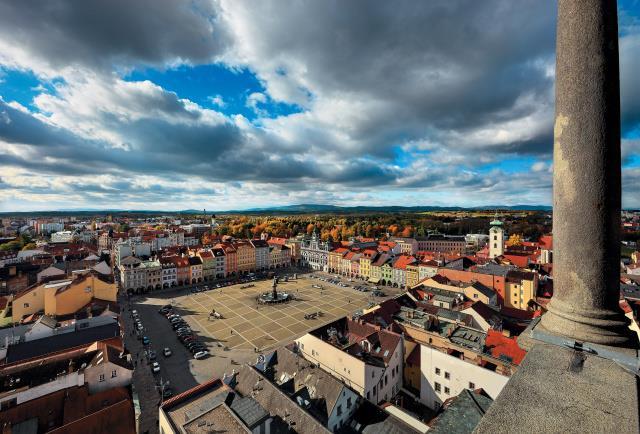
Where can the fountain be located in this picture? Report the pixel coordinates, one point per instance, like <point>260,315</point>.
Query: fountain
<point>274,297</point>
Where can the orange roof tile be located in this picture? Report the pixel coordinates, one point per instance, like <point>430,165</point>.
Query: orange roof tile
<point>500,345</point>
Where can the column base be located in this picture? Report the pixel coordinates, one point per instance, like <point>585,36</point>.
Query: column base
<point>603,327</point>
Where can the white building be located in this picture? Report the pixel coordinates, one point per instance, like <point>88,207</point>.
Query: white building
<point>315,253</point>
<point>220,263</point>
<point>263,258</point>
<point>137,275</point>
<point>368,360</point>
<point>130,247</point>
<point>62,237</point>
<point>496,239</point>
<point>47,228</point>
<point>169,272</point>
<point>445,376</point>
<point>476,241</point>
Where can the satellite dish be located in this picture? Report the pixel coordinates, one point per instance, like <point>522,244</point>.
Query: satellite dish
<point>261,358</point>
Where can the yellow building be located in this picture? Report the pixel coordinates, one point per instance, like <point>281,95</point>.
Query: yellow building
<point>246,256</point>
<point>334,259</point>
<point>63,297</point>
<point>413,275</point>
<point>474,291</point>
<point>28,302</point>
<point>365,263</point>
<point>521,287</point>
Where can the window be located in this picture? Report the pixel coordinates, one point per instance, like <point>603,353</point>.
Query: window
<point>26,305</point>
<point>368,395</point>
<point>437,387</point>
<point>437,371</point>
<point>339,410</point>
<point>348,402</point>
<point>114,373</point>
<point>475,295</point>
<point>495,238</point>
<point>446,390</point>
<point>472,385</point>
<point>101,378</point>
<point>495,245</point>
<point>374,390</point>
<point>447,375</point>
<point>371,374</point>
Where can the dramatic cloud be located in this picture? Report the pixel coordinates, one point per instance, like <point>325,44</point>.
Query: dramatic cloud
<point>386,102</point>
<point>59,34</point>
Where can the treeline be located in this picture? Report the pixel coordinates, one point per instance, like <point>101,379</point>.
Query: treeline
<point>23,242</point>
<point>373,226</point>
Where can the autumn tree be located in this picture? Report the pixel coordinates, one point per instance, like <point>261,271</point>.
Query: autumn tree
<point>514,240</point>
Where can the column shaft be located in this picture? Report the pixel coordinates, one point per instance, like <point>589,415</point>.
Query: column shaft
<point>586,178</point>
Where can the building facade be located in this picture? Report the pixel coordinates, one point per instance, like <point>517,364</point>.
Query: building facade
<point>315,253</point>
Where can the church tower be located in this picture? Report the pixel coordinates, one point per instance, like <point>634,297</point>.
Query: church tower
<point>496,238</point>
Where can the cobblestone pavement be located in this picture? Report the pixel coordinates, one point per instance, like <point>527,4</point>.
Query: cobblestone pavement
<point>181,372</point>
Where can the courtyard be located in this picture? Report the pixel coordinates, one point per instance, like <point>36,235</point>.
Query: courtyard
<point>247,325</point>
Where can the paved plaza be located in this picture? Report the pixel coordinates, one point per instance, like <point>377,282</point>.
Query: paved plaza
<point>246,325</point>
<point>232,340</point>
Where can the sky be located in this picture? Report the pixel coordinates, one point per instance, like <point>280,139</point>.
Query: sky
<point>234,104</point>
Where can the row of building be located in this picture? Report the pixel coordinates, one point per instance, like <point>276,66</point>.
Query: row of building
<point>228,258</point>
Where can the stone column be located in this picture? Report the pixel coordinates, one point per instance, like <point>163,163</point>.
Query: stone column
<point>586,177</point>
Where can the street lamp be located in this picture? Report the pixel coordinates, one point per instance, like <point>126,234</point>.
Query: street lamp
<point>161,387</point>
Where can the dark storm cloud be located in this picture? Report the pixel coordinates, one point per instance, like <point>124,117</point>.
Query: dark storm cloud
<point>423,65</point>
<point>99,33</point>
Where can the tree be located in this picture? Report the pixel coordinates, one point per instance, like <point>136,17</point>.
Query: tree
<point>29,246</point>
<point>407,232</point>
<point>514,240</point>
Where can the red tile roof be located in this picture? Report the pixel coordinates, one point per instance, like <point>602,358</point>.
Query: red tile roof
<point>499,345</point>
<point>404,260</point>
<point>546,242</point>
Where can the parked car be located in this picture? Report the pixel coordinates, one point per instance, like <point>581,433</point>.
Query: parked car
<point>167,393</point>
<point>167,352</point>
<point>146,340</point>
<point>201,354</point>
<point>155,367</point>
<point>151,354</point>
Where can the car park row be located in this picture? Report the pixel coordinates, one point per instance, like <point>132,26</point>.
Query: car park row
<point>184,333</point>
<point>362,288</point>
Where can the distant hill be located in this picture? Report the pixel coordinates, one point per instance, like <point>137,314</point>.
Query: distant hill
<point>289,209</point>
<point>320,209</point>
